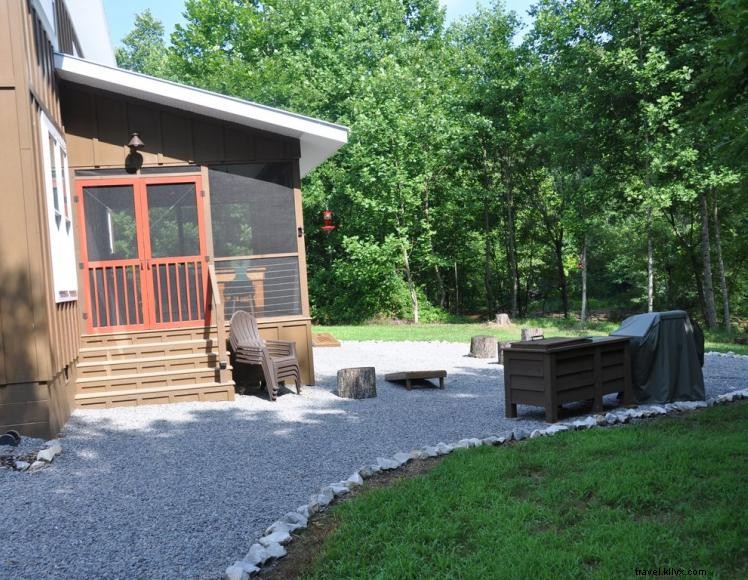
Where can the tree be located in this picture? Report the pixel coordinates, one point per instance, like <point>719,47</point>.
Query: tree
<point>143,48</point>
<point>601,161</point>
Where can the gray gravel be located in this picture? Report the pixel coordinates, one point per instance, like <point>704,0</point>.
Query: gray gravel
<point>182,491</point>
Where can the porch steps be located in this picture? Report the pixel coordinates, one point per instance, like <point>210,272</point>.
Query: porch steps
<point>140,350</point>
<point>157,396</point>
<point>152,367</point>
<point>127,366</point>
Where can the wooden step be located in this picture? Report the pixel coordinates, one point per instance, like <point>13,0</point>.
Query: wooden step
<point>137,381</point>
<point>128,366</point>
<point>148,336</point>
<point>147,350</point>
<point>208,391</point>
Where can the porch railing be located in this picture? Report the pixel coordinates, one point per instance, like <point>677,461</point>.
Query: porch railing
<point>216,312</point>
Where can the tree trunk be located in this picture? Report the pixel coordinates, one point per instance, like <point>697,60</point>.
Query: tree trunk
<point>511,250</point>
<point>457,292</point>
<point>440,289</point>
<point>583,315</point>
<point>650,263</point>
<point>710,311</point>
<point>411,284</point>
<point>562,283</point>
<point>357,383</point>
<point>722,277</point>
<point>488,260</point>
<point>697,278</point>
<point>530,333</point>
<point>483,346</point>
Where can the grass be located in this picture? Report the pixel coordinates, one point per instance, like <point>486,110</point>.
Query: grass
<point>715,341</point>
<point>597,504</point>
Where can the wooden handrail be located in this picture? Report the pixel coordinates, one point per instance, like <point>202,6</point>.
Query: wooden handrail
<point>214,285</point>
<point>219,318</point>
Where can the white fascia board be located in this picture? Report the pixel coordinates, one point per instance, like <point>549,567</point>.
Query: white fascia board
<point>319,139</point>
<point>92,30</point>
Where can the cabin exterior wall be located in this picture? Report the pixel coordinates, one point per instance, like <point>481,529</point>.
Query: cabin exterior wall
<point>98,125</point>
<point>38,337</point>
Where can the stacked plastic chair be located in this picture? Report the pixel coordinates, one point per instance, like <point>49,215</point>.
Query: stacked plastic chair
<point>276,358</point>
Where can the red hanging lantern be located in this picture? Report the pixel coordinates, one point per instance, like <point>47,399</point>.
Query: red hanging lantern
<point>327,219</point>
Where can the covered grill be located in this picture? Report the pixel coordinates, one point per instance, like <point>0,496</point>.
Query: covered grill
<point>667,352</point>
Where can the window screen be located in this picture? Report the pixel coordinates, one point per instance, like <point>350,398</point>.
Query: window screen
<point>263,286</point>
<point>110,223</point>
<point>252,209</point>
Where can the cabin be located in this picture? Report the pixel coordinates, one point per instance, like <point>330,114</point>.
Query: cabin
<point>138,215</point>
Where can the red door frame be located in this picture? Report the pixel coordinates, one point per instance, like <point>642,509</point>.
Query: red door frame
<point>144,262</point>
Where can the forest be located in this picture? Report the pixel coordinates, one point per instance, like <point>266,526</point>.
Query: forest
<point>596,162</point>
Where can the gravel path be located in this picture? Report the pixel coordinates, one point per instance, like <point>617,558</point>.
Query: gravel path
<point>182,491</point>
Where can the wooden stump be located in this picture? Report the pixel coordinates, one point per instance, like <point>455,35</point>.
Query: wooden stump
<point>357,383</point>
<point>483,346</point>
<point>502,346</point>
<point>530,333</point>
<point>503,320</point>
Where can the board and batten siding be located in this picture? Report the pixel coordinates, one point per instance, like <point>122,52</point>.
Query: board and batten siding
<point>98,126</point>
<point>38,338</point>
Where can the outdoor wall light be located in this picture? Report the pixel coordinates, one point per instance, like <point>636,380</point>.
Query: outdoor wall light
<point>135,143</point>
<point>134,161</point>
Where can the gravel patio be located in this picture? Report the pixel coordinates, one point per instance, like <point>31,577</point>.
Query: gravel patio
<point>182,491</point>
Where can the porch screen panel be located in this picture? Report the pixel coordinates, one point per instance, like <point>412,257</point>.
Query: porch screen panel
<point>112,255</point>
<point>252,209</point>
<point>255,239</point>
<point>265,287</point>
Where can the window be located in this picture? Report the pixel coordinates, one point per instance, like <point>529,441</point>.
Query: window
<point>59,207</point>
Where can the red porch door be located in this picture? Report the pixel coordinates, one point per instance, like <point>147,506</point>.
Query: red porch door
<point>143,249</point>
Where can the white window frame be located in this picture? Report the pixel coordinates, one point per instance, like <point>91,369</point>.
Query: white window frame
<point>60,214</point>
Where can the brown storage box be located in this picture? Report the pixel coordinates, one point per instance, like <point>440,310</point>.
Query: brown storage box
<point>552,371</point>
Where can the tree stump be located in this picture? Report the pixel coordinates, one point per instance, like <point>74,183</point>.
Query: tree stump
<point>502,346</point>
<point>530,333</point>
<point>357,383</point>
<point>503,320</point>
<point>483,346</point>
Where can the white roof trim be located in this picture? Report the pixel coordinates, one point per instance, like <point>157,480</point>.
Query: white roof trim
<point>319,139</point>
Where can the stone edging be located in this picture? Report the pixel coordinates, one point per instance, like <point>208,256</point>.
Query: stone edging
<point>32,462</point>
<point>271,546</point>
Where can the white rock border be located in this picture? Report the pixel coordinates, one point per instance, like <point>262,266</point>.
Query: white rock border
<point>44,457</point>
<point>270,546</point>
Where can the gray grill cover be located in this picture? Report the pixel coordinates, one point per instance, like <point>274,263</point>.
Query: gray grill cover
<point>664,357</point>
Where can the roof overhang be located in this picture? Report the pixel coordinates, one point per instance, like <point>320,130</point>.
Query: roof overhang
<point>319,140</point>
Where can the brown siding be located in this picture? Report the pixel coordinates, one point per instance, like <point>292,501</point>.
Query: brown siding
<point>39,338</point>
<point>37,409</point>
<point>98,126</point>
<point>66,38</point>
<point>40,60</point>
<point>298,331</point>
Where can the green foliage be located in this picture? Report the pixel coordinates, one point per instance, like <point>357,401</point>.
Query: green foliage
<point>361,283</point>
<point>477,171</point>
<point>143,48</point>
<point>596,504</point>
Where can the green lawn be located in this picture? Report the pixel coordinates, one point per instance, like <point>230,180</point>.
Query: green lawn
<point>462,332</point>
<point>602,503</point>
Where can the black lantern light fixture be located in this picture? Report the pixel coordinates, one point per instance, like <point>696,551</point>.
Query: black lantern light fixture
<point>134,161</point>
<point>135,143</point>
